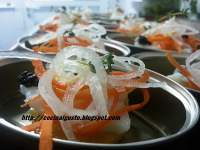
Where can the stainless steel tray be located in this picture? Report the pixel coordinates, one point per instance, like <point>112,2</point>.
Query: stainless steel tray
<point>172,111</point>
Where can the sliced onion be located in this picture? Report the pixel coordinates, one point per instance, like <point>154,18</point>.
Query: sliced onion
<point>136,84</point>
<point>193,67</point>
<point>95,81</point>
<point>80,52</point>
<point>97,92</point>
<point>67,62</point>
<point>71,93</point>
<point>136,71</point>
<point>46,91</point>
<point>92,32</point>
<point>171,26</point>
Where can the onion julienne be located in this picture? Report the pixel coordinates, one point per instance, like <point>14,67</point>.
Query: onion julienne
<point>80,82</point>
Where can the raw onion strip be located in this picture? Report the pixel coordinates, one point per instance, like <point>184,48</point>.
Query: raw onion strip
<point>193,68</point>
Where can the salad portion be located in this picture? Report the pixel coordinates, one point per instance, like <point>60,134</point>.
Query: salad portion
<point>82,83</point>
<point>65,18</point>
<point>171,36</point>
<point>187,75</point>
<point>68,35</point>
<point>134,26</point>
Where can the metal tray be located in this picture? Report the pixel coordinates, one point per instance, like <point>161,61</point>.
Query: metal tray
<point>150,126</point>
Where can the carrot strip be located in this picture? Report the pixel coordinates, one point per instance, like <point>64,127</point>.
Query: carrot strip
<point>182,70</point>
<point>38,67</point>
<point>33,126</point>
<point>165,42</point>
<point>59,85</point>
<point>135,107</point>
<point>80,41</point>
<point>46,135</point>
<point>193,42</point>
<point>52,45</point>
<point>95,127</point>
<point>49,27</point>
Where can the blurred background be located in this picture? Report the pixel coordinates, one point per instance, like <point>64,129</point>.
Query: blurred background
<point>18,17</point>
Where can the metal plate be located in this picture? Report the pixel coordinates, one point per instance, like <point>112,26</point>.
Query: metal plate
<point>149,126</point>
<point>116,48</point>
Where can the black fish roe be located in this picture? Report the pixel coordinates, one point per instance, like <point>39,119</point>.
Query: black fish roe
<point>71,33</point>
<point>28,79</point>
<point>143,40</point>
<point>184,36</point>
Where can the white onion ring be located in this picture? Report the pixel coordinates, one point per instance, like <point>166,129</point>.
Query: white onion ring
<point>100,76</point>
<point>64,65</point>
<point>47,93</point>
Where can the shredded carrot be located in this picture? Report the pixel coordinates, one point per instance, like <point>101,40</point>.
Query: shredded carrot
<point>46,135</point>
<point>182,70</point>
<point>52,45</point>
<point>193,42</point>
<point>165,42</point>
<point>134,30</point>
<point>49,27</point>
<point>135,107</point>
<point>95,127</point>
<point>38,67</point>
<point>82,100</point>
<point>80,41</point>
<point>33,126</point>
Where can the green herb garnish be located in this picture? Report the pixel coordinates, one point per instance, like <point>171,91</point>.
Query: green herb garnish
<point>107,60</point>
<point>169,15</point>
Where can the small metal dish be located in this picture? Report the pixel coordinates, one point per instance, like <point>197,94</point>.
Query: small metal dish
<point>171,112</point>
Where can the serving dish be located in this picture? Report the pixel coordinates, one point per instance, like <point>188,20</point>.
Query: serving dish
<point>150,125</point>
